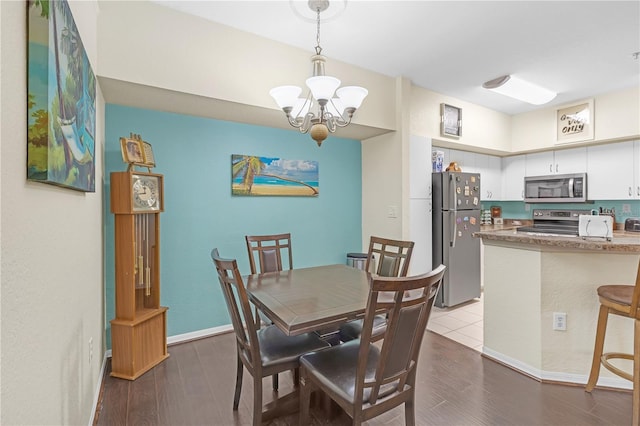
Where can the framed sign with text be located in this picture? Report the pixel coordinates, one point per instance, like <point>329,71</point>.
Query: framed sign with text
<point>450,121</point>
<point>574,123</point>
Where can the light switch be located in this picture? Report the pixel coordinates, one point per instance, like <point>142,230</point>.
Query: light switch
<point>392,212</point>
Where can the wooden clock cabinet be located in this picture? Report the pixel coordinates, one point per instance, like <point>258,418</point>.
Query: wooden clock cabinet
<point>139,330</point>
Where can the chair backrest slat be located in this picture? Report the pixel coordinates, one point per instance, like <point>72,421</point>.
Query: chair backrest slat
<point>237,300</point>
<point>393,256</point>
<point>269,251</point>
<point>408,302</point>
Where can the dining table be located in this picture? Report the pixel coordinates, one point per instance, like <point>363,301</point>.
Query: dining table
<point>310,299</point>
<point>315,299</point>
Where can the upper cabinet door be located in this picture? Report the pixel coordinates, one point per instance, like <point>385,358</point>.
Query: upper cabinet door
<point>513,169</point>
<point>419,167</point>
<point>610,171</point>
<point>539,164</point>
<point>561,162</point>
<point>490,169</point>
<point>466,160</point>
<point>572,160</point>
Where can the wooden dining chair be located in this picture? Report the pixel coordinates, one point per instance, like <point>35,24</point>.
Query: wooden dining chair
<point>266,254</point>
<point>623,300</point>
<point>265,351</point>
<point>392,258</point>
<point>376,373</point>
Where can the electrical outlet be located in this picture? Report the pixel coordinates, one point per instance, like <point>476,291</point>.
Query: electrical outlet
<point>90,349</point>
<point>560,321</point>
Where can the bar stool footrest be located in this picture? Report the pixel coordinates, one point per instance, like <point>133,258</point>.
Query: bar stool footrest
<point>616,355</point>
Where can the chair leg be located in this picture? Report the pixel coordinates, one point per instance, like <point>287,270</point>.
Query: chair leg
<point>305,399</point>
<point>636,373</point>
<point>236,396</point>
<point>274,380</point>
<point>296,377</point>
<point>409,412</point>
<point>257,401</point>
<point>598,348</point>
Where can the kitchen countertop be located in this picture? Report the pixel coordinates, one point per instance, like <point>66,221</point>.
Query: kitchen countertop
<point>622,241</point>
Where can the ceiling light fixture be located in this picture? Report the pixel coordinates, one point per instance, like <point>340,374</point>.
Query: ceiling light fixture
<point>319,113</point>
<point>519,89</point>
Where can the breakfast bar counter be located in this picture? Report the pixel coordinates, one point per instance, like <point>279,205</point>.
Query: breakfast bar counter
<point>529,277</point>
<point>622,241</point>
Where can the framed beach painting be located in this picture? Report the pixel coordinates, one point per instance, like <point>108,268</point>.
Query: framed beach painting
<point>263,176</point>
<point>61,100</point>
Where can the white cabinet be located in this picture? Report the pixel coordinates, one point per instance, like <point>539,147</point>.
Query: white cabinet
<point>563,161</point>
<point>420,214</point>
<point>513,169</point>
<point>466,160</point>
<point>420,203</point>
<point>490,169</point>
<point>613,171</point>
<point>419,167</point>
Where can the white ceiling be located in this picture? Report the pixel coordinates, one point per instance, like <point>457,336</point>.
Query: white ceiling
<point>577,48</point>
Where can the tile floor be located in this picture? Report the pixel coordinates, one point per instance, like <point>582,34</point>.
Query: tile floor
<point>462,323</point>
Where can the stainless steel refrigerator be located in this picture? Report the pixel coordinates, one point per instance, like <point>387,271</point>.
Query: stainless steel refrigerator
<point>456,216</point>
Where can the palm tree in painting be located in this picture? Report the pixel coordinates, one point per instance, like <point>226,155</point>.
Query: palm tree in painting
<point>251,166</point>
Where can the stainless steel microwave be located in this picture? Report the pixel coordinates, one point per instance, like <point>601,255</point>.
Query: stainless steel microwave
<point>570,188</point>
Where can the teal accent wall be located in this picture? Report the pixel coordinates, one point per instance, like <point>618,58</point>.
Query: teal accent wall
<point>194,155</point>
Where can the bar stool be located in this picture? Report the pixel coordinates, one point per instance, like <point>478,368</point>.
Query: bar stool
<point>620,300</point>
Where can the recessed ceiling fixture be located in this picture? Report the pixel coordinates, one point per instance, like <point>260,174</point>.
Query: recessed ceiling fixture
<point>319,113</point>
<point>519,89</point>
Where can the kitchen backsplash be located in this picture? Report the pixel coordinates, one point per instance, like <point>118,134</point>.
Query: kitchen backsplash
<point>519,210</point>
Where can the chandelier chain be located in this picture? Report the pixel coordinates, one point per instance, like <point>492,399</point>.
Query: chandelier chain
<point>318,48</point>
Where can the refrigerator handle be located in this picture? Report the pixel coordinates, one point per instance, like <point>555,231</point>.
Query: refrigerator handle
<point>454,229</point>
<point>452,191</point>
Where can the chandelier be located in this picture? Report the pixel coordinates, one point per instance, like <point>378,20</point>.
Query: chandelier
<point>320,112</point>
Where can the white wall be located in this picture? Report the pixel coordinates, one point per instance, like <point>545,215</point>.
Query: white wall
<point>617,117</point>
<point>51,266</point>
<point>483,130</point>
<point>206,59</point>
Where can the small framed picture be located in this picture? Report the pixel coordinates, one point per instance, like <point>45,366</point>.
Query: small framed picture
<point>450,121</point>
<point>147,152</point>
<point>131,151</point>
<point>136,151</point>
<point>574,123</point>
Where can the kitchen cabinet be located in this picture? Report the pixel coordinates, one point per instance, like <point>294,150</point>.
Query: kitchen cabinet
<point>419,167</point>
<point>613,171</point>
<point>513,169</point>
<point>420,203</point>
<point>563,161</point>
<point>466,160</point>
<point>490,169</point>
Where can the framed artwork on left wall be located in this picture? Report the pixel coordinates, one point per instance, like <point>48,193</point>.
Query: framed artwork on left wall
<point>61,100</point>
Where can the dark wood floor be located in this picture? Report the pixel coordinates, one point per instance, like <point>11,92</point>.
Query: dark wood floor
<point>457,386</point>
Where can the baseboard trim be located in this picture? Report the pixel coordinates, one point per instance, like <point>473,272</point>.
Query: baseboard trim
<point>552,376</point>
<point>171,340</point>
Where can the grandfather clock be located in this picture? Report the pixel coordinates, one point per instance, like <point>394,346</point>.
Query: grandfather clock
<point>139,330</point>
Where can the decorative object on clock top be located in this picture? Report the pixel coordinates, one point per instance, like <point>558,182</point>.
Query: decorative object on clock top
<point>138,332</point>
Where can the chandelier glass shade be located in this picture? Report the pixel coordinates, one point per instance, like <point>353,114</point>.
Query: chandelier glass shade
<point>320,112</point>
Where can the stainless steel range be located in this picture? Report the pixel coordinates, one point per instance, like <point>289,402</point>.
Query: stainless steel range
<point>555,222</point>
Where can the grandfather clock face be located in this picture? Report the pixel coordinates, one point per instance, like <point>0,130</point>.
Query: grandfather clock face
<point>146,194</point>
